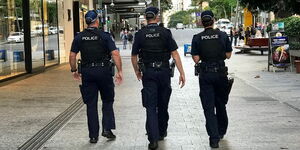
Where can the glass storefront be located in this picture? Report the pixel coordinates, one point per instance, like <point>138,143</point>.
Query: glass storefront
<point>50,32</point>
<point>11,39</point>
<point>37,44</point>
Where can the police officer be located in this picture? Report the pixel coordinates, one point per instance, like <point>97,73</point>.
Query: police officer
<point>154,46</point>
<point>212,47</point>
<point>96,48</point>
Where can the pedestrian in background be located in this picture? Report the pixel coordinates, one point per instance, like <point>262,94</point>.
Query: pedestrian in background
<point>96,48</point>
<point>124,38</point>
<point>209,50</point>
<point>232,32</point>
<point>235,36</point>
<point>247,34</point>
<point>130,38</point>
<point>154,45</point>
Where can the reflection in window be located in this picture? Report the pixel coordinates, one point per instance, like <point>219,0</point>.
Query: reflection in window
<point>37,45</point>
<point>50,32</point>
<point>11,38</point>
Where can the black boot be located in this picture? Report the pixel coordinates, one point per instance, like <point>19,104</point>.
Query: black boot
<point>153,145</point>
<point>108,134</point>
<point>93,140</point>
<point>214,144</point>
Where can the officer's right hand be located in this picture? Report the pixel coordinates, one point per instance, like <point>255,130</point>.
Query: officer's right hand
<point>138,75</point>
<point>76,76</point>
<point>119,78</point>
<point>182,80</point>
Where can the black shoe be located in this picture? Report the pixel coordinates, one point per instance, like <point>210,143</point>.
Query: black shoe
<point>108,134</point>
<point>93,140</point>
<point>163,136</point>
<point>153,145</point>
<point>221,136</point>
<point>214,144</point>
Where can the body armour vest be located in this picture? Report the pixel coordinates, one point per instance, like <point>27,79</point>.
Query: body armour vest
<point>212,46</point>
<point>154,46</point>
<point>92,47</point>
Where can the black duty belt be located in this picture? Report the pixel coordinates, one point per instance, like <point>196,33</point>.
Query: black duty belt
<point>214,69</point>
<point>158,64</point>
<point>96,64</point>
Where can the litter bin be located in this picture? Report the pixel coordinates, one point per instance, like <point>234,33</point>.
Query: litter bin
<point>3,55</point>
<point>187,49</point>
<point>18,56</point>
<point>50,54</point>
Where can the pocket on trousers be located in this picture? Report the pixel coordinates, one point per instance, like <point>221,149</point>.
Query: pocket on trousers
<point>144,98</point>
<point>84,94</point>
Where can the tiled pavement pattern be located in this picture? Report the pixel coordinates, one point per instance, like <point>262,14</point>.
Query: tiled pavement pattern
<point>256,121</point>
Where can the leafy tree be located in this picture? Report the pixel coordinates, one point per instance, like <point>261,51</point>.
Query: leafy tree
<point>221,8</point>
<point>281,8</point>
<point>182,17</point>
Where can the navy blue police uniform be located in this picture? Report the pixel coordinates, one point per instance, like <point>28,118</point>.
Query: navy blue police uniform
<point>154,45</point>
<point>95,47</point>
<point>211,45</point>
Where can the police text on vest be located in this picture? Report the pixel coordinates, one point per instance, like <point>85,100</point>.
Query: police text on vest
<point>92,38</point>
<point>210,37</point>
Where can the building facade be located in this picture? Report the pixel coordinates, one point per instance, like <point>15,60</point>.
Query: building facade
<point>36,34</point>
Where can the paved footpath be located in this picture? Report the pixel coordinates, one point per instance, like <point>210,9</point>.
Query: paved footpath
<point>257,121</point>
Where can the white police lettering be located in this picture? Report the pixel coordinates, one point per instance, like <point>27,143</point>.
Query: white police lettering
<point>92,38</point>
<point>152,35</point>
<point>209,37</point>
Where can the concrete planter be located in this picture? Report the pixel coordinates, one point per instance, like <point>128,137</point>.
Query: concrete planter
<point>295,53</point>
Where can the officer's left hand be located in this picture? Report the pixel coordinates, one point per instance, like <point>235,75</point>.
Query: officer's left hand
<point>76,76</point>
<point>182,80</point>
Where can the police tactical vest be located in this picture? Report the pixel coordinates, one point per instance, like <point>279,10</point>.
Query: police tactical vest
<point>212,46</point>
<point>92,47</point>
<point>154,47</point>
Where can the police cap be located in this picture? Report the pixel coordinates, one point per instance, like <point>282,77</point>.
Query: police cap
<point>207,16</point>
<point>91,16</point>
<point>151,12</point>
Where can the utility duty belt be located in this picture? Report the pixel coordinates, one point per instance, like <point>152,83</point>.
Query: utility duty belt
<point>106,63</point>
<point>96,64</point>
<point>157,65</point>
<point>210,68</point>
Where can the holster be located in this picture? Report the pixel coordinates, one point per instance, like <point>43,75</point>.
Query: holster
<point>172,67</point>
<point>197,69</point>
<point>141,66</point>
<point>79,66</point>
<point>230,83</point>
<point>112,66</point>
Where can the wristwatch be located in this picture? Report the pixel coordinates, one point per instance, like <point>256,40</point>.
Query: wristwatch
<point>73,70</point>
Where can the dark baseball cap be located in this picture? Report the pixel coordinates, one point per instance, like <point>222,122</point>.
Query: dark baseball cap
<point>152,10</point>
<point>207,15</point>
<point>91,16</point>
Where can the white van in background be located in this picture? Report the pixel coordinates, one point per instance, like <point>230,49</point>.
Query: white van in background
<point>179,26</point>
<point>224,25</point>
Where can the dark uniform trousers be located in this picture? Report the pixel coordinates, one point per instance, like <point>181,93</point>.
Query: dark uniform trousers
<point>95,79</point>
<point>156,94</point>
<point>214,97</point>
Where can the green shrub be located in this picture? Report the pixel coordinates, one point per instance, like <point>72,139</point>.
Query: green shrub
<point>292,27</point>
